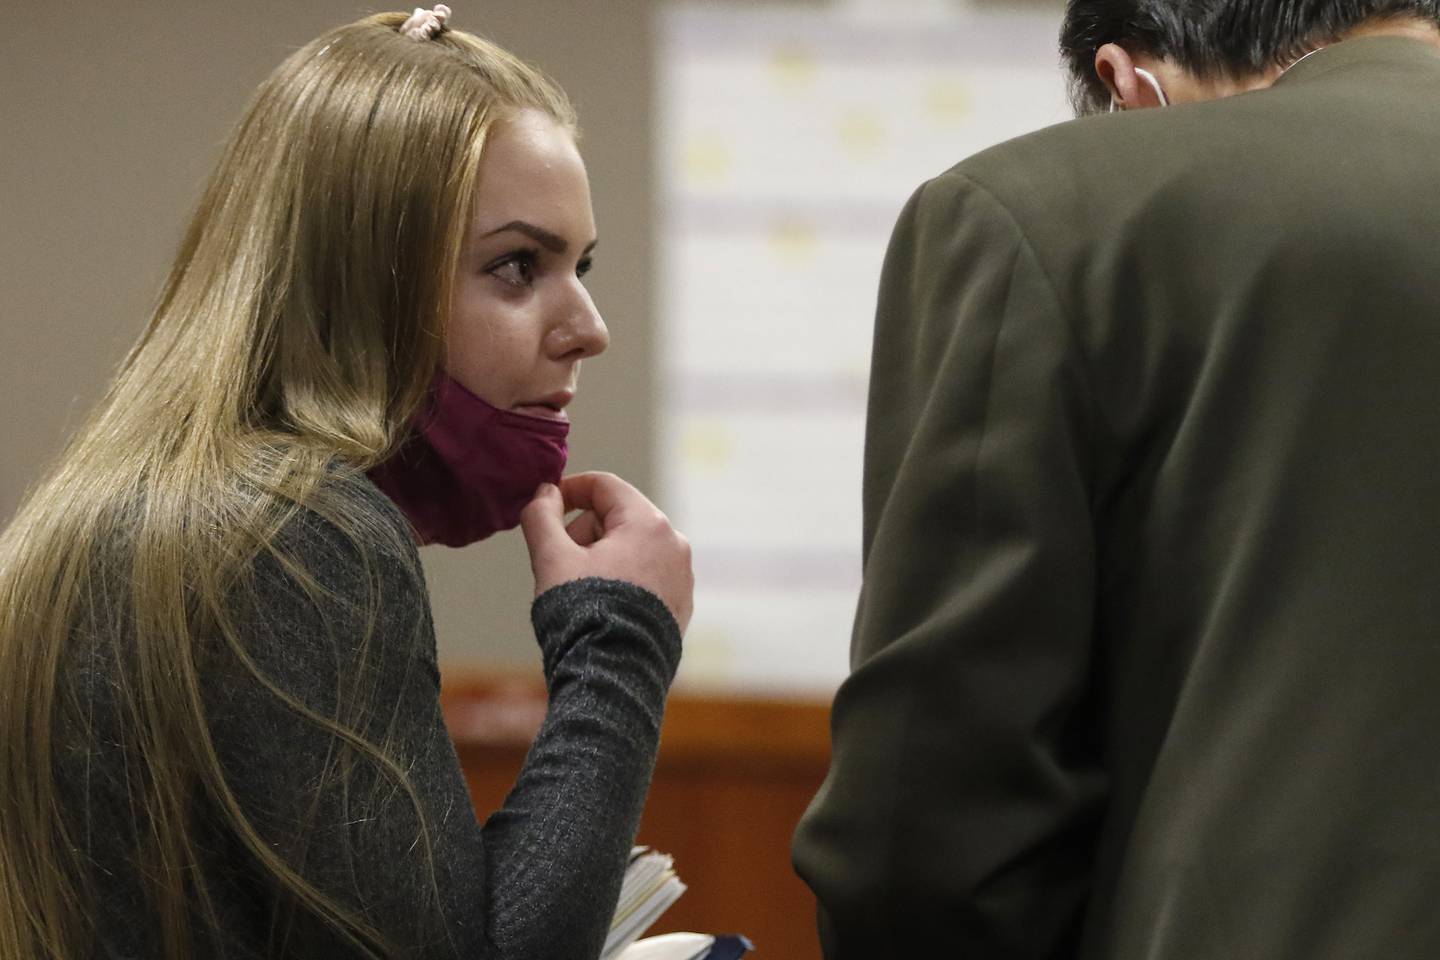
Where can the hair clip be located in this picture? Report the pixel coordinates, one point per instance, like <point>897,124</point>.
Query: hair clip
<point>424,24</point>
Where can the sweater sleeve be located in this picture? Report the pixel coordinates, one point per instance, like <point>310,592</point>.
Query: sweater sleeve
<point>559,846</point>
<point>382,824</point>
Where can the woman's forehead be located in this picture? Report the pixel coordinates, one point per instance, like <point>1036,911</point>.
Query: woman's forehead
<point>532,172</point>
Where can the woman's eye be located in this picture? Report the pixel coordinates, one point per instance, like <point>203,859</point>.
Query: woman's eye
<point>518,269</point>
<point>583,267</point>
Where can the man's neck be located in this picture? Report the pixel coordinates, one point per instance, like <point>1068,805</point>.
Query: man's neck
<point>1426,31</point>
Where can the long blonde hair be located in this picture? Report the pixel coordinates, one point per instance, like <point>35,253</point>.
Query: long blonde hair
<point>297,335</point>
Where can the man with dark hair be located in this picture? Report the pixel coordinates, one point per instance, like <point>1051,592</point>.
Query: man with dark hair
<point>1212,49</point>
<point>1146,659</point>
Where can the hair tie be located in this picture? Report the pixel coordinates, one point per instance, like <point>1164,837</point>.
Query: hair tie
<point>424,24</point>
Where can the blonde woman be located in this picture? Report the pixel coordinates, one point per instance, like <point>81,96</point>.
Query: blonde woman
<point>221,733</point>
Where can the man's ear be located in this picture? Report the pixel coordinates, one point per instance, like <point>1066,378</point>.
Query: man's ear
<point>1117,71</point>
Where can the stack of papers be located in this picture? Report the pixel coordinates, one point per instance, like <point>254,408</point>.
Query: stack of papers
<point>649,888</point>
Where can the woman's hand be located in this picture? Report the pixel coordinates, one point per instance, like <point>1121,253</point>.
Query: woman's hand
<point>619,535</point>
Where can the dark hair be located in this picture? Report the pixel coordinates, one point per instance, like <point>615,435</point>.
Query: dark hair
<point>1212,37</point>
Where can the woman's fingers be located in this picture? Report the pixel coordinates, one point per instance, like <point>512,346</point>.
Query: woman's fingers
<point>585,529</point>
<point>602,493</point>
<point>543,523</point>
<point>619,535</point>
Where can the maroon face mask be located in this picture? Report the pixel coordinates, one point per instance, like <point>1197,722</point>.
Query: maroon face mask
<point>470,468</point>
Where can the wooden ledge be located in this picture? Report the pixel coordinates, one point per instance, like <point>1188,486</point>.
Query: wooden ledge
<point>500,713</point>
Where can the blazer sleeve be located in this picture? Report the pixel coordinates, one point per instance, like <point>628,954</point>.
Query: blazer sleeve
<point>961,806</point>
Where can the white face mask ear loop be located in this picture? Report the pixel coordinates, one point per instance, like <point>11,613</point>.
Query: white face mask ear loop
<point>1298,60</point>
<point>1149,78</point>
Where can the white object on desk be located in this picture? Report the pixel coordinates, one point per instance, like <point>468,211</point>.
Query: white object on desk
<point>670,946</point>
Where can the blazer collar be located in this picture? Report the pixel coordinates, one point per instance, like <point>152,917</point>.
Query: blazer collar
<point>1362,52</point>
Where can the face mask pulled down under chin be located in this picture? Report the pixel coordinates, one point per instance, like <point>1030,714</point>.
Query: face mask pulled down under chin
<point>469,469</point>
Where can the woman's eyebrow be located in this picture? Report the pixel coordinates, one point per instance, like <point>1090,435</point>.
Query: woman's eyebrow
<point>550,241</point>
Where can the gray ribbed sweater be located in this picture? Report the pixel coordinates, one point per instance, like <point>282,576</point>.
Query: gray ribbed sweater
<point>538,880</point>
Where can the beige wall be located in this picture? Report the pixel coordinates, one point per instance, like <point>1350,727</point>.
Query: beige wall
<point>111,114</point>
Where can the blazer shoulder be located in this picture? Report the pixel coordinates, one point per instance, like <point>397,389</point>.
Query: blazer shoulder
<point>1034,181</point>
<point>1052,159</point>
<point>1067,185</point>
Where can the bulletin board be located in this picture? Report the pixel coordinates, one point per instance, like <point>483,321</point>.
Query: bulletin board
<point>788,140</point>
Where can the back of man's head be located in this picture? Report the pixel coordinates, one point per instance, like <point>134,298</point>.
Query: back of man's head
<point>1213,38</point>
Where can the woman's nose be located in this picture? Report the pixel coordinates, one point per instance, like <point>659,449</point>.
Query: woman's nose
<point>583,333</point>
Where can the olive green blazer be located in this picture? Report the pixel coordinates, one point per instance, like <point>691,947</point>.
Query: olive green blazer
<point>1147,658</point>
